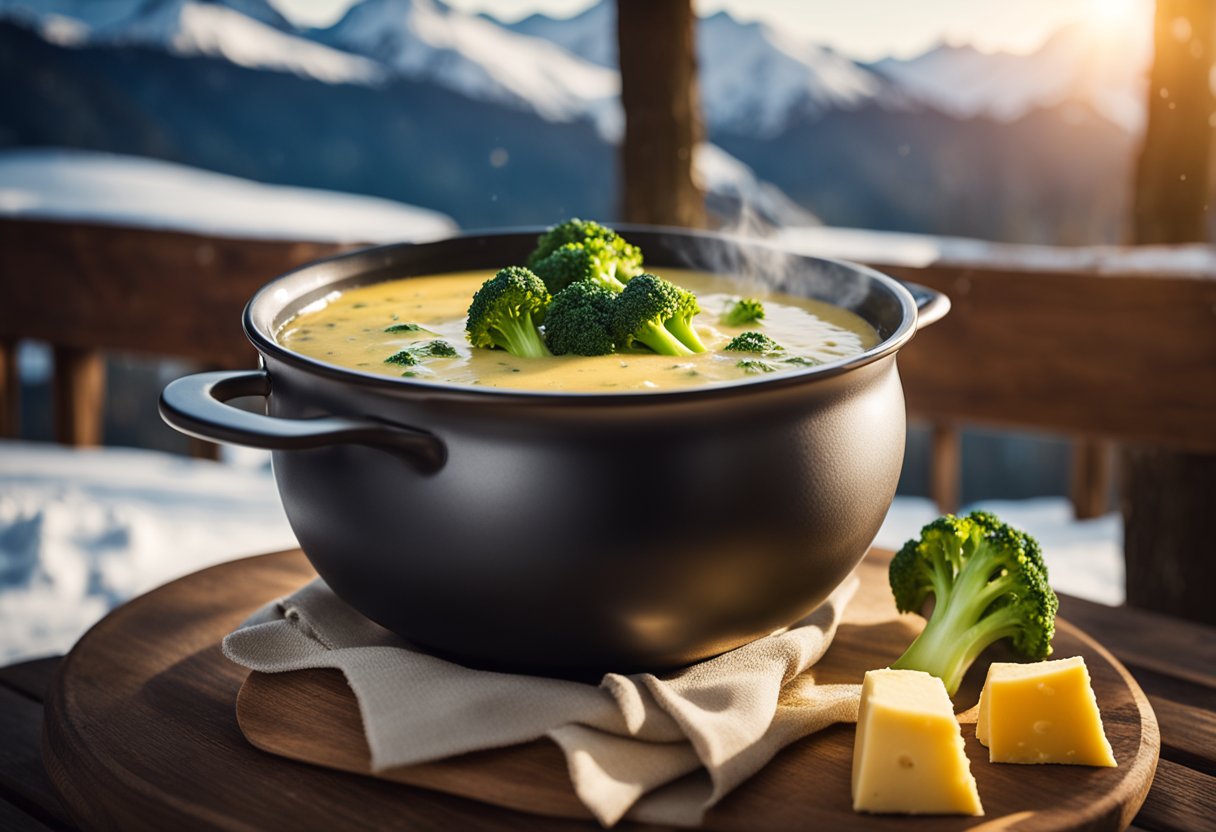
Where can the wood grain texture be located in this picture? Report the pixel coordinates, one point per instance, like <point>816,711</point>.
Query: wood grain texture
<point>1091,478</point>
<point>30,678</point>
<point>78,396</point>
<point>1185,803</point>
<point>659,94</point>
<point>10,389</point>
<point>136,289</point>
<point>141,733</point>
<point>23,780</point>
<point>1127,357</point>
<point>946,467</point>
<point>14,818</point>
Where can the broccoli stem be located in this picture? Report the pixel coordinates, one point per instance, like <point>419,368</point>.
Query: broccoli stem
<point>522,338</point>
<point>958,630</point>
<point>661,341</point>
<point>685,334</point>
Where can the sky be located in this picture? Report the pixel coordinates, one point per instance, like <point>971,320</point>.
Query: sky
<point>863,29</point>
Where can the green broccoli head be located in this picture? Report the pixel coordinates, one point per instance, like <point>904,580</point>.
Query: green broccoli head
<point>414,353</point>
<point>743,311</point>
<point>988,581</point>
<point>628,258</point>
<point>755,366</point>
<point>579,321</point>
<point>506,312</point>
<point>753,342</point>
<point>592,260</point>
<point>656,314</point>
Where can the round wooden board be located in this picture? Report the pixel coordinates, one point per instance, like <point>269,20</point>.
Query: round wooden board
<point>141,732</point>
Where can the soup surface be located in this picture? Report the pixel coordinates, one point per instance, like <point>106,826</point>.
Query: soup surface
<point>349,330</point>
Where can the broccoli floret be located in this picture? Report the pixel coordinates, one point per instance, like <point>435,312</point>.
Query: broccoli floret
<point>506,312</point>
<point>414,353</point>
<point>592,260</point>
<point>406,328</point>
<point>743,311</point>
<point>579,320</point>
<point>628,257</point>
<point>657,314</point>
<point>756,366</point>
<point>754,342</point>
<point>988,582</point>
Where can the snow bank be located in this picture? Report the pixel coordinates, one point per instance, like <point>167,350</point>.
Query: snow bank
<point>84,530</point>
<point>65,184</point>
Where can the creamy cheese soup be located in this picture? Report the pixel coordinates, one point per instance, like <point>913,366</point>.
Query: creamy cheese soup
<point>353,329</point>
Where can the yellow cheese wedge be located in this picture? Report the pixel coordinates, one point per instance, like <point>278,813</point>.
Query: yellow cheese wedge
<point>908,756</point>
<point>1043,712</point>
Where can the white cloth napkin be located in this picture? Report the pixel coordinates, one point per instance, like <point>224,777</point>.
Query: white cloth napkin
<point>627,741</point>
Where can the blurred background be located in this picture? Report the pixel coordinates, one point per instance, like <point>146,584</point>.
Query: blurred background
<point>189,150</point>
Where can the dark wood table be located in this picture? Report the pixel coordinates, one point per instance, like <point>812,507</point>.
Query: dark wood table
<point>1173,661</point>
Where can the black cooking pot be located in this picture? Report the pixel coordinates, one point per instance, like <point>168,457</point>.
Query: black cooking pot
<point>574,533</point>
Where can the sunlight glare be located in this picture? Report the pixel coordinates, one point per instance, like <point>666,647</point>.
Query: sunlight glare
<point>1114,13</point>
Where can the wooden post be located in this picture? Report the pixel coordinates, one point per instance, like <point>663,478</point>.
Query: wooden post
<point>1169,498</point>
<point>78,396</point>
<point>945,467</point>
<point>1091,478</point>
<point>10,390</point>
<point>662,112</point>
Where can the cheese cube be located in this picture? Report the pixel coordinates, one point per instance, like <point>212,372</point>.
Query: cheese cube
<point>1043,712</point>
<point>908,756</point>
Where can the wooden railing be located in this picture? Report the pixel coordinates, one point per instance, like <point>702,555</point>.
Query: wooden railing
<point>1095,351</point>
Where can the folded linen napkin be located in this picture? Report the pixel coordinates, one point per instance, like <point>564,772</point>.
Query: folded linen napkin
<point>628,742</point>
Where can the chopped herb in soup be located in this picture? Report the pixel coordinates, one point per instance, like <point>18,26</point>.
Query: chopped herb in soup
<point>415,328</point>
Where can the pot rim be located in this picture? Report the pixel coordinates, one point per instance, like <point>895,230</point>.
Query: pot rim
<point>269,347</point>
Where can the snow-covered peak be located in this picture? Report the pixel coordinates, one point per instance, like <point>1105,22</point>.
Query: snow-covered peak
<point>591,34</point>
<point>756,80</point>
<point>753,79</point>
<point>129,190</point>
<point>1104,69</point>
<point>746,202</point>
<point>426,40</point>
<point>95,13</point>
<point>90,13</point>
<point>226,30</point>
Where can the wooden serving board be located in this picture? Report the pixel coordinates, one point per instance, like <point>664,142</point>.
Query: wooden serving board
<point>312,716</point>
<point>141,732</point>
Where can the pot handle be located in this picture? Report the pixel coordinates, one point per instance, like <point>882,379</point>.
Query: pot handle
<point>197,406</point>
<point>931,305</point>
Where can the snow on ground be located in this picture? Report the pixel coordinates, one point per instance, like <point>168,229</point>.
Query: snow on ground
<point>84,185</point>
<point>897,248</point>
<point>83,530</point>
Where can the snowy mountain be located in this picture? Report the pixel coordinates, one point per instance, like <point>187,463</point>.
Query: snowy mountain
<point>756,80</point>
<point>89,13</point>
<point>248,33</point>
<point>590,34</point>
<point>1108,71</point>
<point>424,40</point>
<point>744,202</point>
